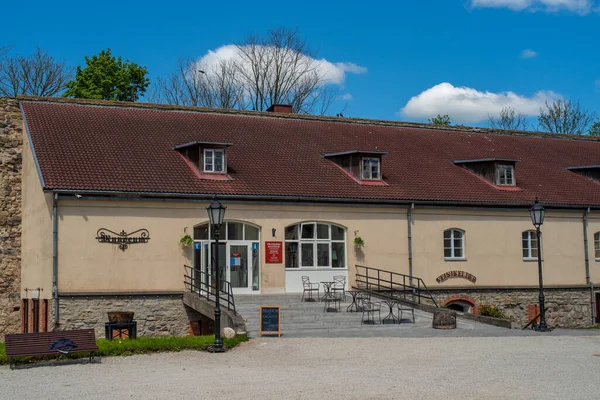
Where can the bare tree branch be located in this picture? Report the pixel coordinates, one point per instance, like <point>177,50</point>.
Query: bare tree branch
<point>38,74</point>
<point>276,69</point>
<point>565,116</point>
<point>508,119</point>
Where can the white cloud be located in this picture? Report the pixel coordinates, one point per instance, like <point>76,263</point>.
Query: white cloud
<point>333,73</point>
<point>346,96</point>
<point>575,6</point>
<point>468,105</point>
<point>528,53</point>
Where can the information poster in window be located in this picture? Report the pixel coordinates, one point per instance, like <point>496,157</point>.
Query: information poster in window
<point>274,253</point>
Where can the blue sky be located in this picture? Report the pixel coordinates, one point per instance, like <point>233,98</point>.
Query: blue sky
<point>466,58</point>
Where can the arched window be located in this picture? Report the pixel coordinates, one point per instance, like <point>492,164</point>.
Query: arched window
<point>315,244</point>
<point>597,245</point>
<point>530,245</point>
<point>454,244</point>
<point>230,230</point>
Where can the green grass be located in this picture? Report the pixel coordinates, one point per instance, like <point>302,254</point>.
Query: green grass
<point>144,345</point>
<point>594,326</point>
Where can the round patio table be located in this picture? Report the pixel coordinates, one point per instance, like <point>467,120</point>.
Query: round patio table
<point>390,318</point>
<point>354,305</point>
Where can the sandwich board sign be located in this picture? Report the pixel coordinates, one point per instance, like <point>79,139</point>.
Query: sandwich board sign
<point>269,321</point>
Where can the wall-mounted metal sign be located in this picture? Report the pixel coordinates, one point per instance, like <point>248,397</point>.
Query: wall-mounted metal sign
<point>123,239</point>
<point>456,274</point>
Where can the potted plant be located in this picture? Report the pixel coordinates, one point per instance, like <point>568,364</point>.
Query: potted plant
<point>186,241</point>
<point>358,242</point>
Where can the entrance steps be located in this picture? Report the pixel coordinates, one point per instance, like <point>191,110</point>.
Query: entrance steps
<point>307,319</point>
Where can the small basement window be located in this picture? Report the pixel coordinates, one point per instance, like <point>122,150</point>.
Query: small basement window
<point>505,175</point>
<point>371,168</point>
<point>214,160</point>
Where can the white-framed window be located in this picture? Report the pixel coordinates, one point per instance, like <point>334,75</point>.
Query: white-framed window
<point>530,245</point>
<point>454,244</point>
<point>505,175</point>
<point>597,245</point>
<point>371,168</point>
<point>315,245</point>
<point>214,160</point>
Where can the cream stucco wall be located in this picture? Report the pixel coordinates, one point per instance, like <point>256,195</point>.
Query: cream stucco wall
<point>36,238</point>
<point>88,266</point>
<point>493,248</point>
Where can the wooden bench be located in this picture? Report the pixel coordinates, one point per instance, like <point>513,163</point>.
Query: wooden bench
<point>38,344</point>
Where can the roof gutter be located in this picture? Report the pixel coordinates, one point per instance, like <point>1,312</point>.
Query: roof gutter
<point>340,200</point>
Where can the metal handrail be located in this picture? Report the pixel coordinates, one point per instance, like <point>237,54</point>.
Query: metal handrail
<point>532,322</point>
<point>200,282</point>
<point>392,284</point>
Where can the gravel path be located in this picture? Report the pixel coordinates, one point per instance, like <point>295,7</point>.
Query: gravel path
<point>562,367</point>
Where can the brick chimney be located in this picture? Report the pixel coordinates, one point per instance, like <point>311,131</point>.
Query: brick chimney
<point>280,108</point>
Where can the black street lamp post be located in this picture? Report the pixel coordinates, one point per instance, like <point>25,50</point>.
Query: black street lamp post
<point>216,215</point>
<point>537,213</point>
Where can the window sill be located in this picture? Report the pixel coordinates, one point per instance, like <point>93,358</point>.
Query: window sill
<point>454,259</point>
<point>530,259</point>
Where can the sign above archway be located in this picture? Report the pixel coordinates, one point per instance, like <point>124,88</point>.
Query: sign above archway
<point>456,274</point>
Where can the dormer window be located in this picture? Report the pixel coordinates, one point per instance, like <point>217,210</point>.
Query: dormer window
<point>589,171</point>
<point>362,165</point>
<point>208,159</point>
<point>505,175</point>
<point>214,160</point>
<point>499,172</point>
<point>371,168</point>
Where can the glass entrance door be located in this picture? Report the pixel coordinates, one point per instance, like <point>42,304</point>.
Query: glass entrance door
<point>239,274</point>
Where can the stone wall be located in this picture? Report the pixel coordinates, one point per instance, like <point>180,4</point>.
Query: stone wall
<point>567,308</point>
<point>11,141</point>
<point>156,315</point>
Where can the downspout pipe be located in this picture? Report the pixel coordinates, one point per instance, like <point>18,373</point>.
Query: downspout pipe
<point>587,261</point>
<point>55,257</point>
<point>410,252</point>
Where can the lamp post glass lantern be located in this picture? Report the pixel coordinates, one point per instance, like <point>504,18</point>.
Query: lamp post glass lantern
<point>537,213</point>
<point>216,215</point>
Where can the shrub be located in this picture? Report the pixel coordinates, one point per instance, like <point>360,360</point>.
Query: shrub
<point>491,311</point>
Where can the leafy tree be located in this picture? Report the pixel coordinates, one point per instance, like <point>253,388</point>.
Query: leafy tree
<point>443,120</point>
<point>106,77</point>
<point>508,119</point>
<point>565,116</point>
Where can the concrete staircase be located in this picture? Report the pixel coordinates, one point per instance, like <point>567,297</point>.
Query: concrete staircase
<point>307,319</point>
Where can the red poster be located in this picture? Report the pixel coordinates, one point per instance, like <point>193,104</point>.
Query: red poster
<point>274,252</point>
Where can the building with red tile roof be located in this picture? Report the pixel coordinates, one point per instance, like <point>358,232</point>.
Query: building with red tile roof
<point>111,190</point>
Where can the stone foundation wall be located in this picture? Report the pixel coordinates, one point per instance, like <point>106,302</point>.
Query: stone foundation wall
<point>11,142</point>
<point>163,315</point>
<point>567,308</point>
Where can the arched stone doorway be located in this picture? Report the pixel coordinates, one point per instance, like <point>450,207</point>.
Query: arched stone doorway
<point>461,303</point>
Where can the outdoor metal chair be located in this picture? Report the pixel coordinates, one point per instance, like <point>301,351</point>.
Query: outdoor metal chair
<point>402,308</point>
<point>334,298</point>
<point>339,285</point>
<point>310,288</point>
<point>370,308</point>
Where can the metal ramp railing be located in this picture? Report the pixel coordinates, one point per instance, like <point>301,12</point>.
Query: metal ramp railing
<point>393,285</point>
<point>201,283</point>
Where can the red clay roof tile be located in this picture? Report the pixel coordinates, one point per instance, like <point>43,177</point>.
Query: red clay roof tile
<point>129,149</point>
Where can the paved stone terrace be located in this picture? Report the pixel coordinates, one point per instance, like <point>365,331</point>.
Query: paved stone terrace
<point>307,319</point>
